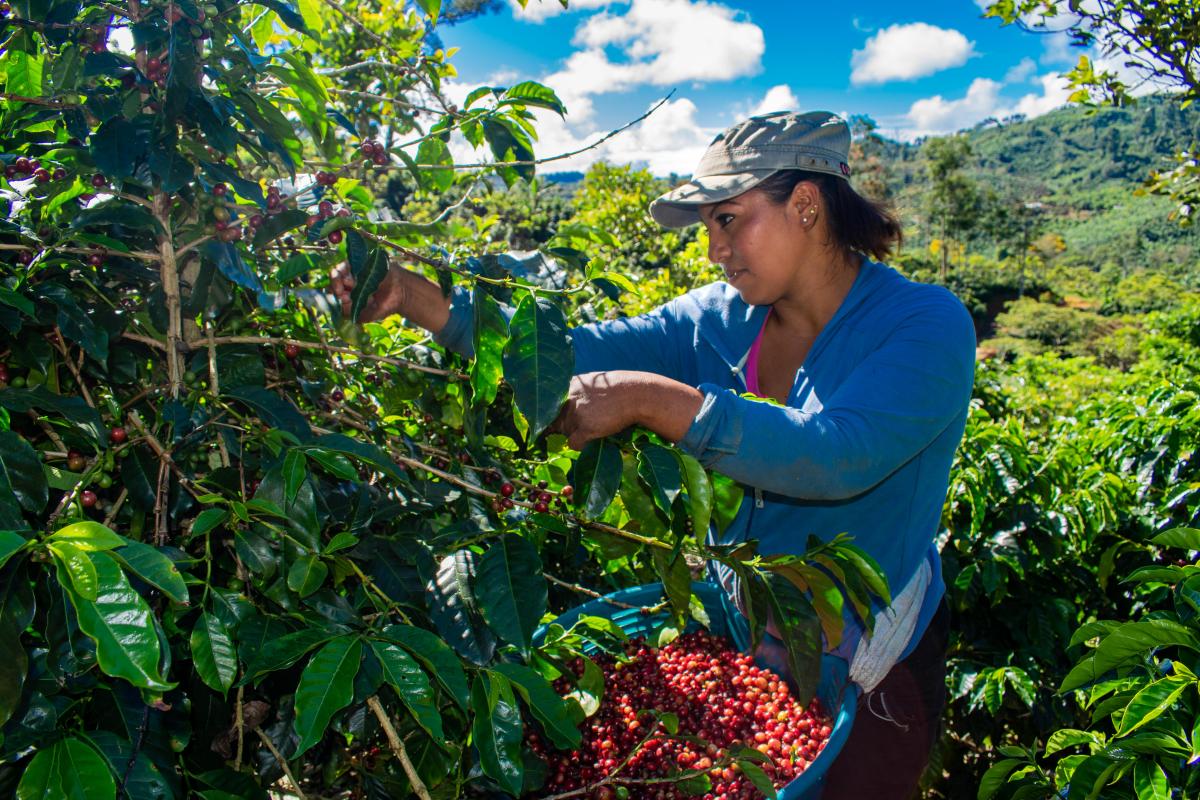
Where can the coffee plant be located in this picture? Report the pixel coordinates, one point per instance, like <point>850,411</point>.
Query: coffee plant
<point>248,544</point>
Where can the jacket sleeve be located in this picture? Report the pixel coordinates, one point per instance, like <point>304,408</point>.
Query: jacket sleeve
<point>890,407</point>
<point>656,341</point>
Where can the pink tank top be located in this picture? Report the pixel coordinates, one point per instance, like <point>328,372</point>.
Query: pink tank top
<point>752,358</point>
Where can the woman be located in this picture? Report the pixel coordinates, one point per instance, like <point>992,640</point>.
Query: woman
<point>872,376</point>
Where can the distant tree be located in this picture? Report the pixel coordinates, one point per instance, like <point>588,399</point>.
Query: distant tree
<point>952,203</point>
<point>872,178</point>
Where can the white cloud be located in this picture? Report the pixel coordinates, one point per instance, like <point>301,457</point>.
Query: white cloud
<point>671,41</point>
<point>937,115</point>
<point>1057,50</point>
<point>656,43</point>
<point>669,140</point>
<point>540,10</point>
<point>777,98</point>
<point>1054,95</point>
<point>1021,72</point>
<point>905,52</point>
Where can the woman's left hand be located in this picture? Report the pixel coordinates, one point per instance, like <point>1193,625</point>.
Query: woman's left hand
<point>600,404</point>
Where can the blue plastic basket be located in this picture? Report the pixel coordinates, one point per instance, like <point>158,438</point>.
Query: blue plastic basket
<point>834,691</point>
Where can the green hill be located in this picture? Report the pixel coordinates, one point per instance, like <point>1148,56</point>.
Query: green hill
<point>1084,166</point>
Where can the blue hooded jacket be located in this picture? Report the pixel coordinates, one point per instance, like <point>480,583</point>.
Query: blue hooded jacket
<point>865,441</point>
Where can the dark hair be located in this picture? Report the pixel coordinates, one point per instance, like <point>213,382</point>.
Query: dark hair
<point>856,223</point>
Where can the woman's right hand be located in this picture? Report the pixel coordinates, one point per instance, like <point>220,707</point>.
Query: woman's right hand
<point>391,297</point>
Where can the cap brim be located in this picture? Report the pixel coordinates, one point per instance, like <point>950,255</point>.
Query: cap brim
<point>680,207</point>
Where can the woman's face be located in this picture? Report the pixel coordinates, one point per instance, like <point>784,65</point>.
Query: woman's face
<point>759,244</point>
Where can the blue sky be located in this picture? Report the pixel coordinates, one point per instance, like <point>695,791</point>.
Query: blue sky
<point>917,69</point>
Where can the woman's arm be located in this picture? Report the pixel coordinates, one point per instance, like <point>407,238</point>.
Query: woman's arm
<point>600,404</point>
<point>893,404</point>
<point>402,292</point>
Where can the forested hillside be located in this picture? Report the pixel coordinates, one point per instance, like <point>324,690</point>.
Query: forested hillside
<point>1083,165</point>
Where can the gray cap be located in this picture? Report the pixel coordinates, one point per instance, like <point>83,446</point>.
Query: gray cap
<point>750,152</point>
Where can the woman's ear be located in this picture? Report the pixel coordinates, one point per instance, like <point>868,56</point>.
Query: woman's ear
<point>804,201</point>
<point>804,198</point>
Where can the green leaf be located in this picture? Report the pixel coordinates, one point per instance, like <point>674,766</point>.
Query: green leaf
<point>1125,645</point>
<point>597,476</point>
<point>437,657</point>
<point>491,335</point>
<point>275,411</point>
<point>727,500</point>
<point>696,785</point>
<point>88,535</point>
<point>1070,737</point>
<point>326,687</point>
<point>287,14</point>
<point>800,630</point>
<point>285,651</point>
<point>117,146</point>
<point>454,610</point>
<point>996,776</point>
<point>74,321</point>
<point>307,574</point>
<point>21,473</point>
<point>1186,538</point>
<point>759,778</point>
<point>357,251</point>
<point>149,564</point>
<point>69,769</point>
<point>13,666</point>
<point>1090,776</point>
<point>277,225</point>
<point>868,569</point>
<point>677,581</point>
<point>699,494</point>
<point>432,154</point>
<point>335,464</point>
<point>538,361</point>
<point>511,589</point>
<point>78,566</point>
<point>589,688</point>
<point>496,730</point>
<point>10,543</point>
<point>431,7</point>
<point>1150,781</point>
<point>659,468</point>
<point>333,443</point>
<point>551,710</point>
<point>208,520</point>
<point>74,409</point>
<point>1151,701</point>
<point>24,73</point>
<point>121,625</point>
<point>213,653</point>
<point>367,280</point>
<point>294,473</point>
<point>403,674</point>
<point>531,93</point>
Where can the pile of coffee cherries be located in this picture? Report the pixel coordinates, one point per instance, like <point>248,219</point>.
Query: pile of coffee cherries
<point>718,695</point>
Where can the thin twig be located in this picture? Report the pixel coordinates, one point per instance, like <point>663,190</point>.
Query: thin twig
<point>287,770</point>
<point>61,343</point>
<point>397,745</point>
<point>146,340</point>
<point>237,761</point>
<point>271,340</point>
<point>214,388</point>
<point>82,251</point>
<point>593,594</point>
<point>116,506</point>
